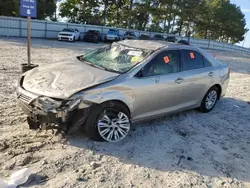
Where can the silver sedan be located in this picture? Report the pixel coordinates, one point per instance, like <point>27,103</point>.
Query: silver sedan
<point>104,91</point>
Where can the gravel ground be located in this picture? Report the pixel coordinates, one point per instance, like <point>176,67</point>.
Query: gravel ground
<point>189,149</point>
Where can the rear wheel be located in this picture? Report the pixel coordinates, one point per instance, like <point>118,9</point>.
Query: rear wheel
<point>108,122</point>
<point>209,100</point>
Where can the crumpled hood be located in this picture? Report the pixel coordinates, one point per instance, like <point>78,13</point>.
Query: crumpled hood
<point>63,79</point>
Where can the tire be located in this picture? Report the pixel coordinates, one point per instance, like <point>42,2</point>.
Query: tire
<point>32,124</point>
<point>214,94</point>
<point>74,39</point>
<point>95,121</point>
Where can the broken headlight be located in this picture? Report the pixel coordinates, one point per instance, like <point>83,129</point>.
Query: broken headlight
<point>47,103</point>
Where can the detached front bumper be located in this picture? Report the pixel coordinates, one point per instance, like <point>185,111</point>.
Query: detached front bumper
<point>68,115</point>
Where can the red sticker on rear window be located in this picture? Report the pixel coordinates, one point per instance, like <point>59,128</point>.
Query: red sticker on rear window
<point>192,55</point>
<point>166,59</point>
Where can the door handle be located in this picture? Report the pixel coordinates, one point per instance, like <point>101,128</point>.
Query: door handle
<point>179,80</point>
<point>211,74</point>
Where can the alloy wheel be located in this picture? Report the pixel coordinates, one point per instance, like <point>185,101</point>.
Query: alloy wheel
<point>113,125</point>
<point>211,99</point>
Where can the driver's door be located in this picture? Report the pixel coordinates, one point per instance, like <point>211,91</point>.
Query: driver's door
<point>156,90</point>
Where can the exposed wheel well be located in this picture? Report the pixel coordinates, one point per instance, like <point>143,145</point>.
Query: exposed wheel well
<point>113,102</point>
<point>219,89</point>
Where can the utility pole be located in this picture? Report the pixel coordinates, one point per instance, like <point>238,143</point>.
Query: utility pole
<point>28,40</point>
<point>28,9</point>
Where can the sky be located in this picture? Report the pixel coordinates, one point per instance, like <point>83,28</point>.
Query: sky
<point>245,8</point>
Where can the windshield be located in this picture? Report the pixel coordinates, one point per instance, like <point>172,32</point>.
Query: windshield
<point>129,33</point>
<point>112,32</point>
<point>68,30</point>
<point>158,36</point>
<point>116,57</point>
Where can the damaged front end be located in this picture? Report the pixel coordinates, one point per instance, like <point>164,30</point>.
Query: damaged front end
<point>48,113</point>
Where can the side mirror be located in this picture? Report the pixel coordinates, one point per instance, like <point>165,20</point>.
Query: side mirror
<point>141,73</point>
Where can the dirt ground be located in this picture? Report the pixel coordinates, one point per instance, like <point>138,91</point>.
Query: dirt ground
<point>189,149</point>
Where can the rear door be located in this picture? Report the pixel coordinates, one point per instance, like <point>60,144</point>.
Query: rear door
<point>196,77</point>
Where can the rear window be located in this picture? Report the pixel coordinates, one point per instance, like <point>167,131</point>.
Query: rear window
<point>159,36</point>
<point>113,32</point>
<point>130,33</point>
<point>144,36</point>
<point>193,60</point>
<point>170,37</point>
<point>93,31</point>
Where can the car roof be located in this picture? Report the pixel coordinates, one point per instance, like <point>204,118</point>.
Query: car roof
<point>152,44</point>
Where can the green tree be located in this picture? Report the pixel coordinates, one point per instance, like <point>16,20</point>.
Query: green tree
<point>81,11</point>
<point>220,21</point>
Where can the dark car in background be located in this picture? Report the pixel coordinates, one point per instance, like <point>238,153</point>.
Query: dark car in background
<point>158,37</point>
<point>144,37</point>
<point>129,35</point>
<point>183,42</point>
<point>92,36</point>
<point>171,39</point>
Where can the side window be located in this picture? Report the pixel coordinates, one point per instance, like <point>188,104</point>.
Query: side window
<point>191,60</point>
<point>206,62</point>
<point>164,63</point>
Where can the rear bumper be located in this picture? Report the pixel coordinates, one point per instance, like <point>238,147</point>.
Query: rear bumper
<point>91,39</point>
<point>111,38</point>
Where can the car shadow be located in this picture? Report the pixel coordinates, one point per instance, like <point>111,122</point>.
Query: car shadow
<point>214,144</point>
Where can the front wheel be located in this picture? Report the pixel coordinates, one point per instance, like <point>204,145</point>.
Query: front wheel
<point>209,100</point>
<point>108,122</point>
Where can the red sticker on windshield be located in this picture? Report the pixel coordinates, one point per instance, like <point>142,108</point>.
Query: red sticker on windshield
<point>192,55</point>
<point>166,59</point>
